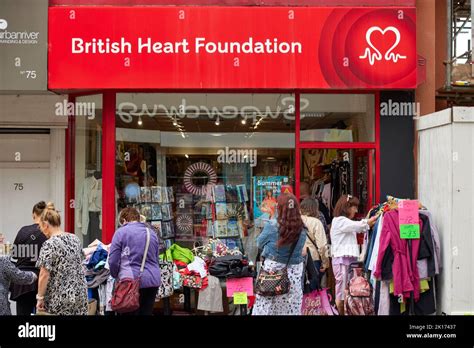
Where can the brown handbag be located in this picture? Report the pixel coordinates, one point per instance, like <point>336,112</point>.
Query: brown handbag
<point>274,283</point>
<point>126,296</point>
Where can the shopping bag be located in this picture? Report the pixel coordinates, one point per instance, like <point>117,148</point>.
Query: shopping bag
<point>318,302</point>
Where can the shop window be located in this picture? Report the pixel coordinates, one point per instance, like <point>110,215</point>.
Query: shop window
<point>88,168</point>
<point>337,118</point>
<point>200,165</point>
<point>330,173</point>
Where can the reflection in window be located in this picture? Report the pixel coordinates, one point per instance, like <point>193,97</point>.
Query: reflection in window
<point>337,117</point>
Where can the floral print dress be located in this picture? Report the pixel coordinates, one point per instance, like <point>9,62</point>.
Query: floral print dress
<point>66,292</point>
<point>11,274</point>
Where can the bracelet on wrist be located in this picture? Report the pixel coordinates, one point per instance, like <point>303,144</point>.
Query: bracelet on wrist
<point>39,298</point>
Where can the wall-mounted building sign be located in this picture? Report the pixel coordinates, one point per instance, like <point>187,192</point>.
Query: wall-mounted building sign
<point>23,45</point>
<point>232,47</point>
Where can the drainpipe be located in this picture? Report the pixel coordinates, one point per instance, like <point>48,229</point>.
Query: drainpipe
<point>449,45</point>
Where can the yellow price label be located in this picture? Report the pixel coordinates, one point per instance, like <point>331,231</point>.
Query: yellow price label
<point>240,298</point>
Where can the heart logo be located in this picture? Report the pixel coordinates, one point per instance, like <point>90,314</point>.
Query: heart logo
<point>375,54</point>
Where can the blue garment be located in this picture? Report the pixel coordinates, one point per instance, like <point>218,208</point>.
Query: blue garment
<point>371,244</point>
<point>268,239</point>
<point>100,254</point>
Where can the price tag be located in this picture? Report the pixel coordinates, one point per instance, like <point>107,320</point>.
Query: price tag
<point>410,231</point>
<point>408,219</point>
<point>240,298</point>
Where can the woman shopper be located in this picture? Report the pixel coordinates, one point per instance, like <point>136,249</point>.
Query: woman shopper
<point>62,288</point>
<point>282,242</point>
<point>127,253</point>
<point>345,249</point>
<point>10,274</point>
<point>316,240</point>
<point>28,243</point>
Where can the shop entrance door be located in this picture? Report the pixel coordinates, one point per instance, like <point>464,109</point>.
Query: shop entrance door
<point>328,174</point>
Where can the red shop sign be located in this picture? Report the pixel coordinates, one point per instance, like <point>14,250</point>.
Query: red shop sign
<point>231,47</point>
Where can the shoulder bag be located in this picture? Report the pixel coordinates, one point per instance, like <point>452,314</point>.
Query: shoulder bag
<point>274,283</point>
<point>126,296</point>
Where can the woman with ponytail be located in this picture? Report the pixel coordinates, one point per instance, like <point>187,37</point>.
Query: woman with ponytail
<point>282,241</point>
<point>31,239</point>
<point>62,288</point>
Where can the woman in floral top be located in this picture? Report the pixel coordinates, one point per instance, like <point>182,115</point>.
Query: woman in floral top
<point>62,288</point>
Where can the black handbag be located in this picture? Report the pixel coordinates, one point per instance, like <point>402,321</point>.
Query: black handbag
<point>230,266</point>
<point>274,283</point>
<point>312,274</point>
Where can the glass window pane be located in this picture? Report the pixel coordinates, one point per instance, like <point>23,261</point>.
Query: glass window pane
<point>193,163</point>
<point>88,168</point>
<point>337,117</point>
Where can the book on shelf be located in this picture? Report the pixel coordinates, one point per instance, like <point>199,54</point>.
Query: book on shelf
<point>232,228</point>
<point>242,193</point>
<point>219,193</point>
<point>220,228</point>
<point>231,194</point>
<point>221,211</point>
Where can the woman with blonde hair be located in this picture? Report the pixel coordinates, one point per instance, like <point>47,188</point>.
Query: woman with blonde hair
<point>62,288</point>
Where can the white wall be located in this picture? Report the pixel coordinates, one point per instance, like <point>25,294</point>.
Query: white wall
<point>446,188</point>
<point>31,111</point>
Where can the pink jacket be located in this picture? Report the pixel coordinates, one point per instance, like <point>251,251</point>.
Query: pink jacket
<point>405,271</point>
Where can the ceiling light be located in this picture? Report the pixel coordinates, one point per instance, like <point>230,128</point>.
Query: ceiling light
<point>186,155</point>
<point>140,122</point>
<point>216,134</point>
<point>218,122</point>
<point>244,120</point>
<point>175,122</point>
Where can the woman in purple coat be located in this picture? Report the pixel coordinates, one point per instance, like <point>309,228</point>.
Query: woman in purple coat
<point>126,255</point>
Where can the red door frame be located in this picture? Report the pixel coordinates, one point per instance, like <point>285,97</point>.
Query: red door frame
<point>108,148</point>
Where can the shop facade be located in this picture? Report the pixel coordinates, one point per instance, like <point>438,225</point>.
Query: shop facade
<point>201,120</point>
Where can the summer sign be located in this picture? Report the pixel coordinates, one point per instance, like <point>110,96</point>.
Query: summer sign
<point>231,47</point>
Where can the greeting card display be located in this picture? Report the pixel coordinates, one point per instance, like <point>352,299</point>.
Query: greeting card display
<point>145,210</point>
<point>156,211</point>
<point>242,193</point>
<point>166,212</point>
<point>231,194</point>
<point>156,194</point>
<point>145,194</point>
<point>170,194</point>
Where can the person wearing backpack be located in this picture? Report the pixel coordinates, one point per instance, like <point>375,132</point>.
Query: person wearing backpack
<point>316,241</point>
<point>344,246</point>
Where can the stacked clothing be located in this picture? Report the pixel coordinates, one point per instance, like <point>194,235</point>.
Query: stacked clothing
<point>95,263</point>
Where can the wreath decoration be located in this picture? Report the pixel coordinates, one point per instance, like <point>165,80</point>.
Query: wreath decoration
<point>199,167</point>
